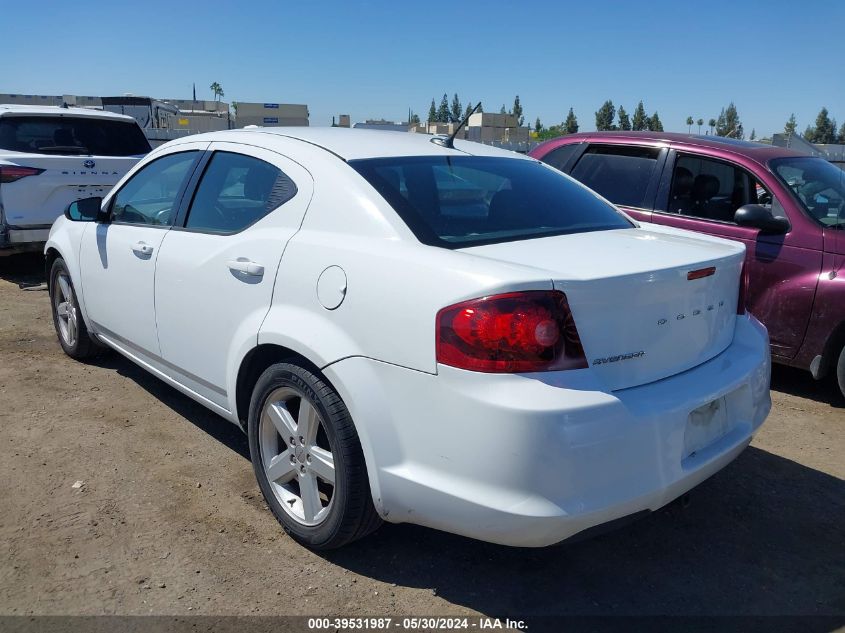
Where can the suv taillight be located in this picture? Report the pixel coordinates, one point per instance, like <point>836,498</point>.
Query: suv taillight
<point>743,290</point>
<point>11,173</point>
<point>510,333</point>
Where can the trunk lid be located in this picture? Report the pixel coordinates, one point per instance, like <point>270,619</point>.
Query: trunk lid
<point>40,199</point>
<point>639,315</point>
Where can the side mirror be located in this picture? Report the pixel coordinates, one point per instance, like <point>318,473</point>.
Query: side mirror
<point>758,217</point>
<point>85,210</point>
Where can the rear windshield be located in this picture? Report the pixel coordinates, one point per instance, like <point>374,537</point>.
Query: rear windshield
<point>462,201</point>
<point>71,135</point>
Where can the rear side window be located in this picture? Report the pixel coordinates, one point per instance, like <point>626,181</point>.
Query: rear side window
<point>559,156</point>
<point>151,196</point>
<point>69,135</point>
<point>620,174</point>
<point>464,201</point>
<point>236,191</point>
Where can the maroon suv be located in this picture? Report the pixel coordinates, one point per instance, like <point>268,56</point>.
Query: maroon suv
<point>787,208</point>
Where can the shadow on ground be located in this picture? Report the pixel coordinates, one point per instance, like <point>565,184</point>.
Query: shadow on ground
<point>765,537</point>
<point>798,382</point>
<point>23,268</point>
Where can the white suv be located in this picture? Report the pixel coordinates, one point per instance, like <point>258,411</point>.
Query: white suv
<point>51,156</point>
<point>463,338</point>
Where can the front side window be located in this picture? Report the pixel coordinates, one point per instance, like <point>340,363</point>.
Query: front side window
<point>817,184</point>
<point>620,174</point>
<point>464,201</point>
<point>151,196</point>
<point>69,135</point>
<point>237,191</point>
<point>713,190</point>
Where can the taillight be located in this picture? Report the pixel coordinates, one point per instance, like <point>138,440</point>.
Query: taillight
<point>11,173</point>
<point>509,333</point>
<point>743,290</point>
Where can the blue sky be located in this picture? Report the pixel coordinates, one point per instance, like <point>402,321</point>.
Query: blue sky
<point>377,59</point>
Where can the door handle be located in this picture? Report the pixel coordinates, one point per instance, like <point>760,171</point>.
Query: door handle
<point>142,249</point>
<point>246,267</point>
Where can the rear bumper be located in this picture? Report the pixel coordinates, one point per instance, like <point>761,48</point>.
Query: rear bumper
<point>530,460</point>
<point>17,239</point>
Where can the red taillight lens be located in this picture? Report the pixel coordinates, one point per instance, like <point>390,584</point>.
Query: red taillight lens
<point>743,290</point>
<point>11,173</point>
<point>508,333</point>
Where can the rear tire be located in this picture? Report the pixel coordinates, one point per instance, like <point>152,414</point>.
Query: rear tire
<point>67,317</point>
<point>307,458</point>
<point>840,372</point>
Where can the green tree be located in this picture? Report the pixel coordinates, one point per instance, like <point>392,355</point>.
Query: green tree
<point>791,126</point>
<point>654,123</point>
<point>432,112</point>
<point>728,123</point>
<point>753,136</point>
<point>217,89</point>
<point>457,109</point>
<point>824,130</point>
<point>469,109</point>
<point>699,123</point>
<point>711,124</point>
<point>443,111</point>
<point>689,124</point>
<point>538,127</point>
<point>415,119</point>
<point>640,120</point>
<point>570,126</point>
<point>517,111</point>
<point>502,110</point>
<point>624,119</point>
<point>841,134</point>
<point>605,116</point>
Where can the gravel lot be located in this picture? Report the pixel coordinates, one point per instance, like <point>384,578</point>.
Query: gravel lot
<point>169,520</point>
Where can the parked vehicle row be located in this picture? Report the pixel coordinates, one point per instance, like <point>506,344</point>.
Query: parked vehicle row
<point>454,336</point>
<point>787,208</point>
<point>51,156</point>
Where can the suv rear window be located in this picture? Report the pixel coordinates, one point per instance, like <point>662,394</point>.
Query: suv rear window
<point>72,135</point>
<point>463,201</point>
<point>619,173</point>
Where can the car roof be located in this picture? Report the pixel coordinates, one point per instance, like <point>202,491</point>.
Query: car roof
<point>759,152</point>
<point>29,110</point>
<point>354,143</point>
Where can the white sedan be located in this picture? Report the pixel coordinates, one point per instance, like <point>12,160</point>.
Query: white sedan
<point>462,338</point>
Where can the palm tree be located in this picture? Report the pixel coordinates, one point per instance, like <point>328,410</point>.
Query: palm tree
<point>217,89</point>
<point>712,124</point>
<point>689,124</point>
<point>699,123</point>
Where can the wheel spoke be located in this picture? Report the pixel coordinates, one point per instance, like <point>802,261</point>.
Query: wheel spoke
<point>64,286</point>
<point>310,495</point>
<point>322,463</point>
<point>71,327</point>
<point>307,421</point>
<point>280,467</point>
<point>61,309</point>
<point>282,420</point>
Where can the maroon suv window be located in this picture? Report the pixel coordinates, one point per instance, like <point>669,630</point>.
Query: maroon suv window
<point>619,173</point>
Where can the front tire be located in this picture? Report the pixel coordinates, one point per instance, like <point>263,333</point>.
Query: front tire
<point>308,460</point>
<point>840,371</point>
<point>67,317</point>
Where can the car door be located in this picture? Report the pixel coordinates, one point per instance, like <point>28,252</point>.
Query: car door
<point>702,193</point>
<point>117,258</point>
<point>627,175</point>
<point>216,269</point>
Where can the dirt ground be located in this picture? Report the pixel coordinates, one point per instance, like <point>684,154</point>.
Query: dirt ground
<point>169,520</point>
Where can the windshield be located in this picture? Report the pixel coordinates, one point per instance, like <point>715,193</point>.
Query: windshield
<point>818,185</point>
<point>471,200</point>
<point>72,135</point>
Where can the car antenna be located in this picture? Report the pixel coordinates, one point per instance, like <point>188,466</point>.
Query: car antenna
<point>449,141</point>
